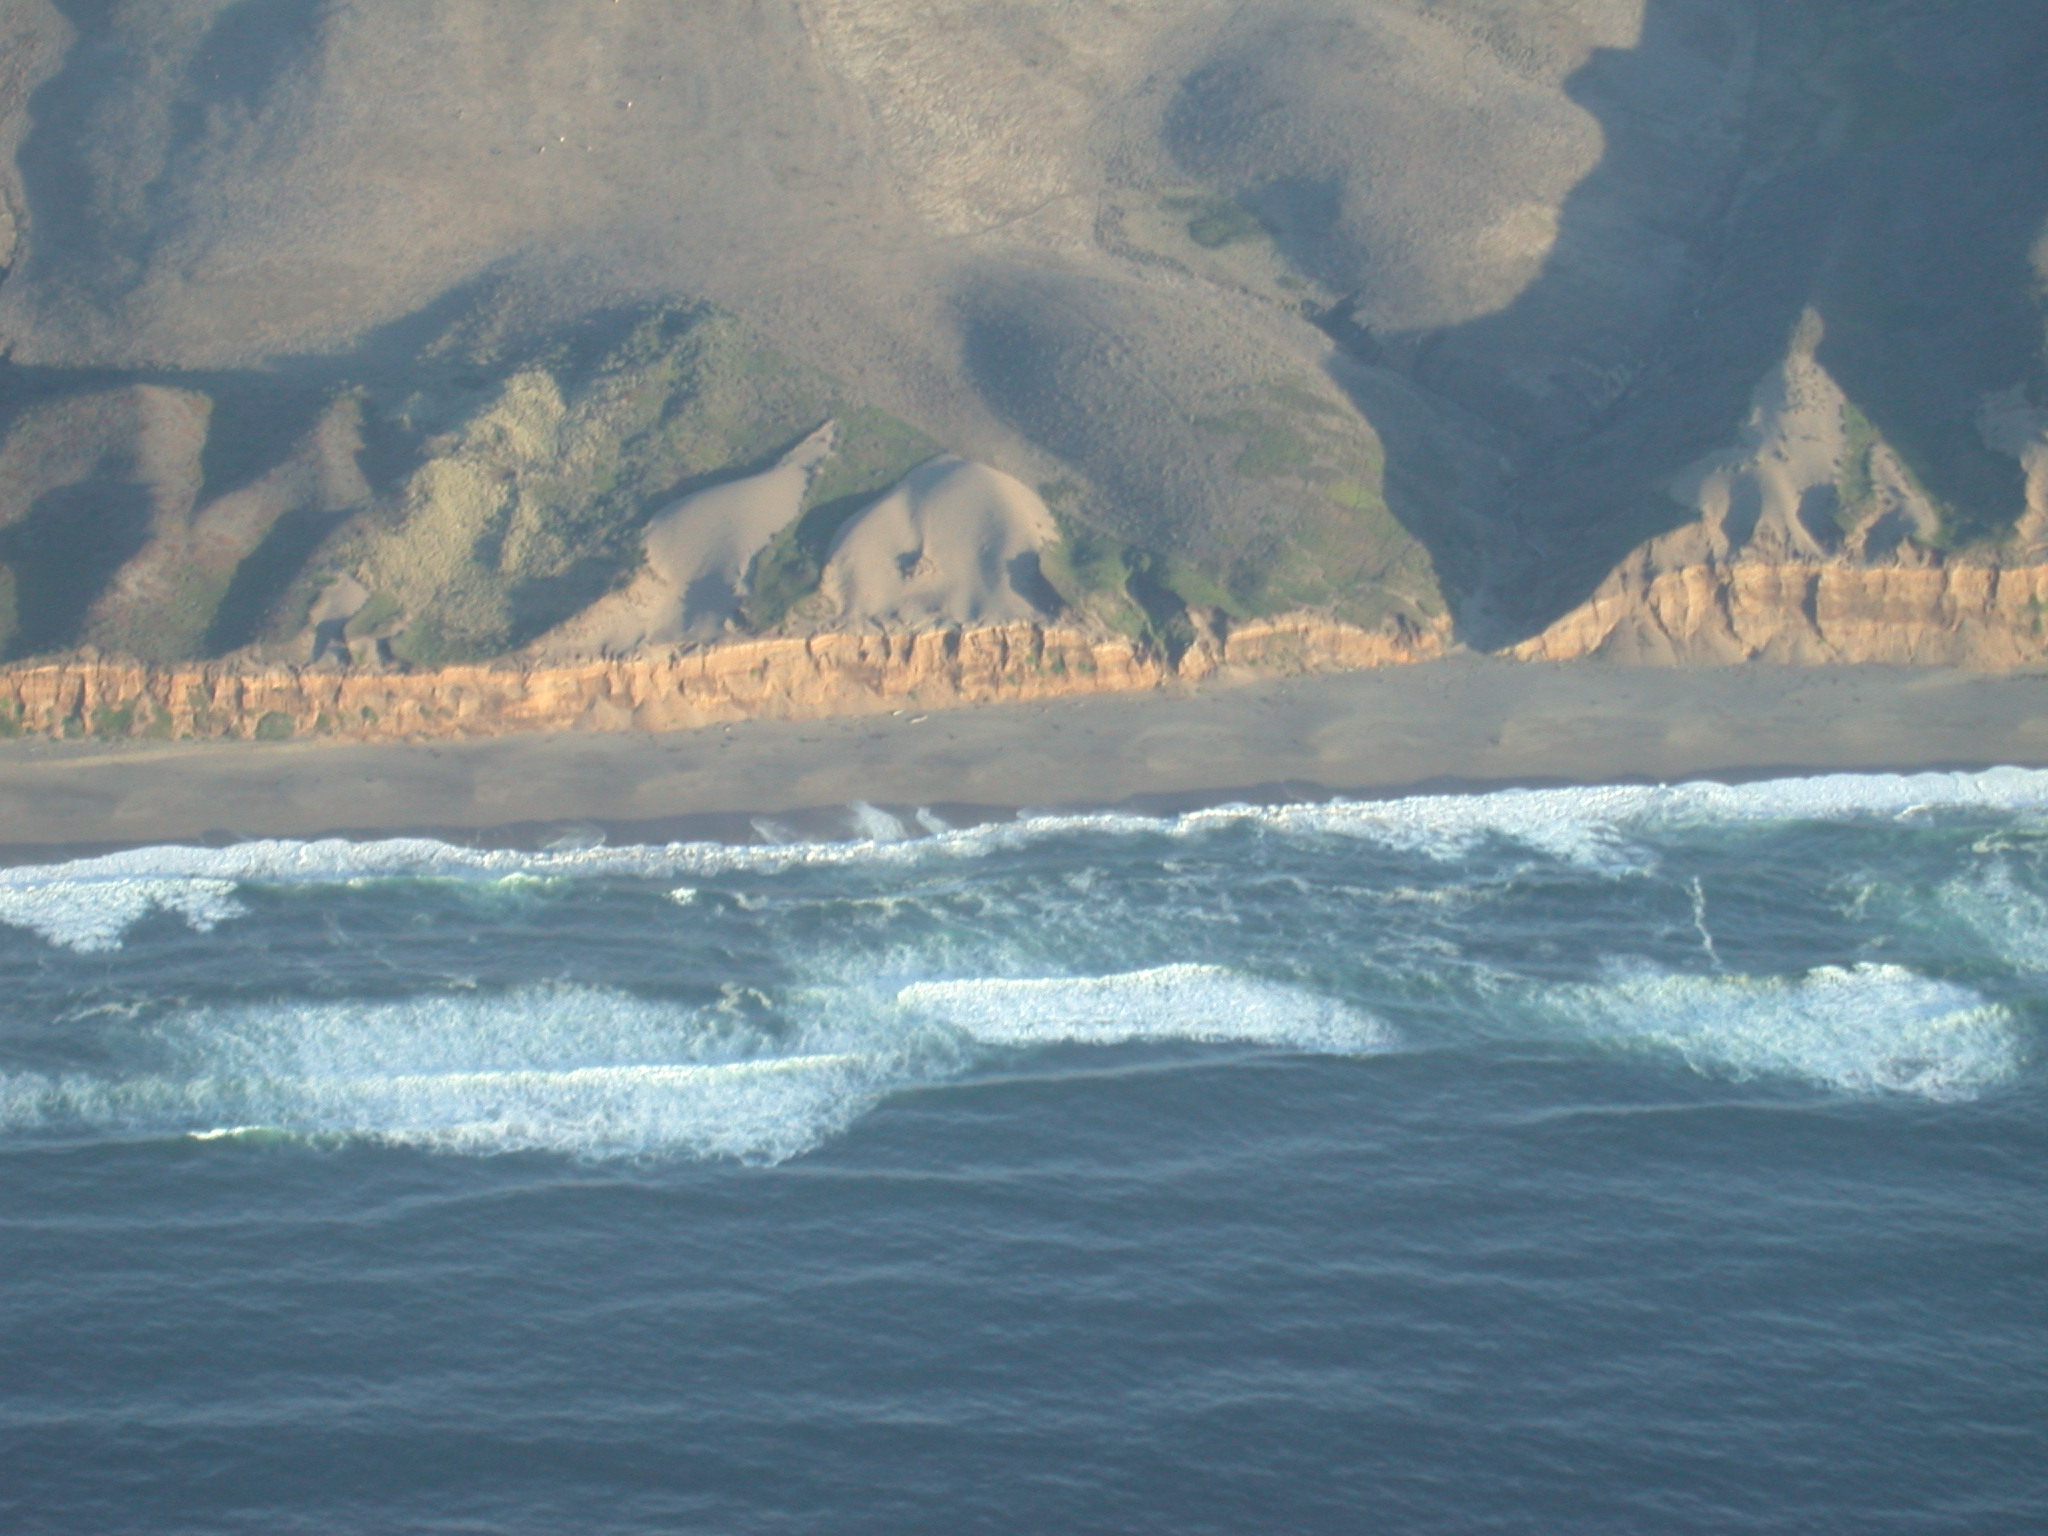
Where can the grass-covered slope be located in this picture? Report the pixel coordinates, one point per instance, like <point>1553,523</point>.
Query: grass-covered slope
<point>486,494</point>
<point>536,474</point>
<point>493,486</point>
<point>1376,307</point>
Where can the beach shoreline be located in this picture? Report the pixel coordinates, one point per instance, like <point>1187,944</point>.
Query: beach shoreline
<point>1455,725</point>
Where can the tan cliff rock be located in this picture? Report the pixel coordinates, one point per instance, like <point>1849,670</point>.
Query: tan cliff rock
<point>1806,612</point>
<point>785,677</point>
<point>1814,547</point>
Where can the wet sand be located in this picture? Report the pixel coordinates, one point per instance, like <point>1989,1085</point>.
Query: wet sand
<point>1453,723</point>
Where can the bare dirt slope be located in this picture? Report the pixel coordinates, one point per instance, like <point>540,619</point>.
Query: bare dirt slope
<point>1362,306</point>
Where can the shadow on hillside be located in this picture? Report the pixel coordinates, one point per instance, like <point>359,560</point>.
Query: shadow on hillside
<point>1905,225</point>
<point>96,222</point>
<point>66,551</point>
<point>62,556</point>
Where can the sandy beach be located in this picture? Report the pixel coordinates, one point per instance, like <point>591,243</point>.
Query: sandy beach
<point>1454,723</point>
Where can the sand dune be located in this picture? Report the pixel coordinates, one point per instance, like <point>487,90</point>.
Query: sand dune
<point>954,542</point>
<point>698,555</point>
<point>1383,305</point>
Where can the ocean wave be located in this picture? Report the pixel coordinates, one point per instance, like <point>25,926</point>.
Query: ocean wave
<point>2002,913</point>
<point>1859,1029</point>
<point>87,904</point>
<point>595,1073</point>
<point>1205,1003</point>
<point>1599,826</point>
<point>91,911</point>
<point>563,1069</point>
<point>752,1111</point>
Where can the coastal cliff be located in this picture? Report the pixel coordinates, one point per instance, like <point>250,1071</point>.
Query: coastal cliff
<point>1816,542</point>
<point>661,331</point>
<point>784,677</point>
<point>1811,613</point>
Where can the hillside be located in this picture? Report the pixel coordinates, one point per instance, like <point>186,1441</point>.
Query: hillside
<point>400,336</point>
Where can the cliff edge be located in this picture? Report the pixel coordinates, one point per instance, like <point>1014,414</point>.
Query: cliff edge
<point>780,677</point>
<point>1817,542</point>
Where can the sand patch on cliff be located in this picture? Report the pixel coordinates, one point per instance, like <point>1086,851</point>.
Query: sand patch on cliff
<point>2010,423</point>
<point>1804,481</point>
<point>954,542</point>
<point>698,554</point>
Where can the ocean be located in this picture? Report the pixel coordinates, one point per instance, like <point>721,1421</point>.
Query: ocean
<point>1632,1159</point>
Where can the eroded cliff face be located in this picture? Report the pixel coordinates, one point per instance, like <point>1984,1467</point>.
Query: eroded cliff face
<point>783,677</point>
<point>1816,543</point>
<point>1807,612</point>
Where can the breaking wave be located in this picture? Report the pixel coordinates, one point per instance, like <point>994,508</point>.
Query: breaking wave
<point>596,1073</point>
<point>90,911</point>
<point>1169,1002</point>
<point>89,904</point>
<point>1859,1029</point>
<point>2002,912</point>
<point>565,1069</point>
<point>755,1111</point>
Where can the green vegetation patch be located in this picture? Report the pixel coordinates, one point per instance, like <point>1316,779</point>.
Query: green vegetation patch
<point>874,451</point>
<point>1270,447</point>
<point>1295,398</point>
<point>1091,571</point>
<point>1856,484</point>
<point>537,473</point>
<point>114,721</point>
<point>1331,542</point>
<point>172,628</point>
<point>1214,222</point>
<point>425,643</point>
<point>379,612</point>
<point>1976,492</point>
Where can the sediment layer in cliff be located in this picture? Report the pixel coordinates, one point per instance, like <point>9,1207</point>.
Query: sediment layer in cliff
<point>782,677</point>
<point>1816,542</point>
<point>1808,612</point>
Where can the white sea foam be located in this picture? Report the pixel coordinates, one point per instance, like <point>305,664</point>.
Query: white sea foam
<point>565,1069</point>
<point>755,1111</point>
<point>1168,1002</point>
<point>590,1072</point>
<point>89,903</point>
<point>1597,825</point>
<point>873,824</point>
<point>90,911</point>
<point>2007,916</point>
<point>1861,1029</point>
<point>596,1073</point>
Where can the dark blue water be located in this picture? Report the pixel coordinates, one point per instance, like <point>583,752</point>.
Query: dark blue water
<point>1630,1160</point>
